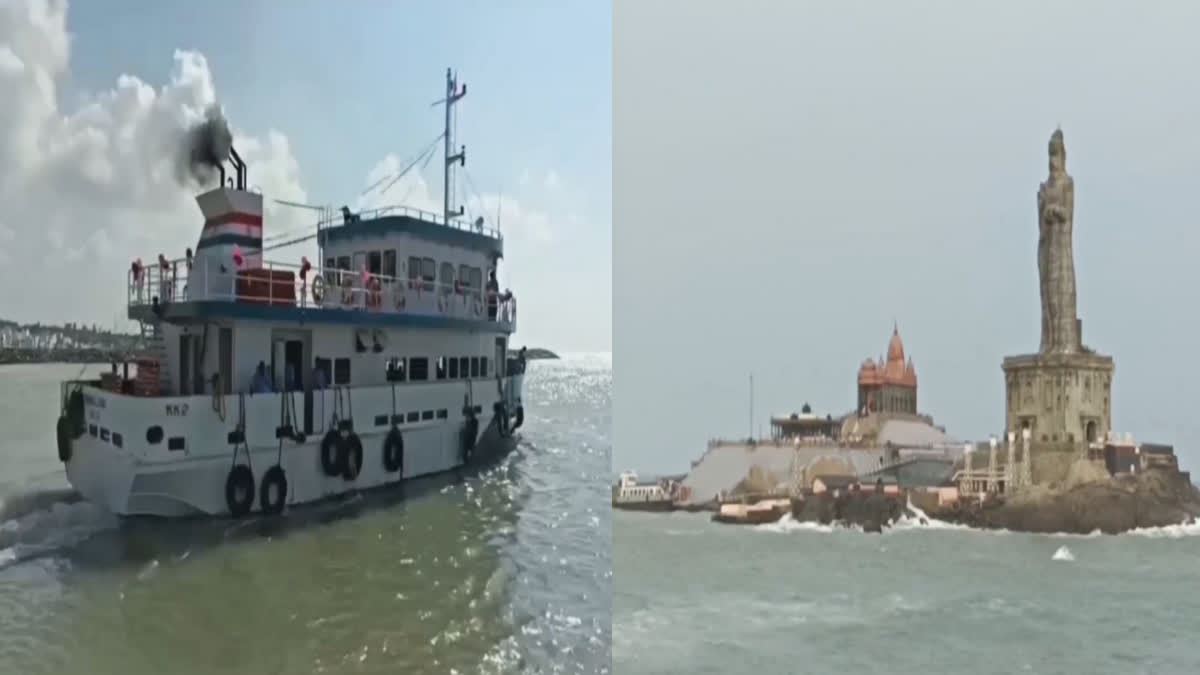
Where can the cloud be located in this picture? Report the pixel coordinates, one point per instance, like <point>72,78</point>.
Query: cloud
<point>95,186</point>
<point>86,189</point>
<point>522,227</point>
<point>552,181</point>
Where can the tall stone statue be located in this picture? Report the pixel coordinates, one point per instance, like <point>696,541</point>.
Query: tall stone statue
<point>1056,262</point>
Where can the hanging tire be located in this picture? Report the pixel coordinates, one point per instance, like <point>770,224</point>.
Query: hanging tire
<point>520,418</point>
<point>75,413</point>
<point>470,432</point>
<point>331,454</point>
<point>271,501</point>
<point>393,451</point>
<point>239,490</point>
<point>350,456</point>
<point>63,431</point>
<point>501,415</point>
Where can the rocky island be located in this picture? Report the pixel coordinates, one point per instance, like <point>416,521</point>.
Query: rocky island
<point>1060,468</point>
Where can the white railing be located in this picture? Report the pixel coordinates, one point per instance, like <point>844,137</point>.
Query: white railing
<point>288,285</point>
<point>337,218</point>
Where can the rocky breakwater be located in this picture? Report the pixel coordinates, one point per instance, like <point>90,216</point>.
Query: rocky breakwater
<point>1088,501</point>
<point>870,511</point>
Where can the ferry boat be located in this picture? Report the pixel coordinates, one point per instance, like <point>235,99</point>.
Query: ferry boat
<point>272,384</point>
<point>630,494</point>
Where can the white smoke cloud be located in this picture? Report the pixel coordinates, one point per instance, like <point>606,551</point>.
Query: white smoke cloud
<point>85,190</point>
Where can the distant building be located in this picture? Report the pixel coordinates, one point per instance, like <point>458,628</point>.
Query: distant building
<point>804,425</point>
<point>888,386</point>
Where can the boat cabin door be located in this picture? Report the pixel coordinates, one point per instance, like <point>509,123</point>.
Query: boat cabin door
<point>290,351</point>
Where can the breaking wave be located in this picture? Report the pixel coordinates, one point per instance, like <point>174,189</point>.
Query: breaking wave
<point>917,520</point>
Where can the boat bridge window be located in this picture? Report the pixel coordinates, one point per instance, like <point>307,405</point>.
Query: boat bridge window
<point>453,363</point>
<point>427,415</point>
<point>375,262</point>
<point>428,272</point>
<point>483,371</point>
<point>341,371</point>
<point>343,264</point>
<point>414,268</point>
<point>413,417</point>
<point>464,366</point>
<point>440,367</point>
<point>447,280</point>
<point>389,264</point>
<point>476,281</point>
<point>396,371</point>
<point>474,366</point>
<point>418,368</point>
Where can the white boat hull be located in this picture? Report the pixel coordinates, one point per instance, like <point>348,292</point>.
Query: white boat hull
<point>148,478</point>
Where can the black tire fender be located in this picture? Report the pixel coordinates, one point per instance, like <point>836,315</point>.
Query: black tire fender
<point>350,456</point>
<point>470,432</point>
<point>239,490</point>
<point>272,501</point>
<point>63,430</point>
<point>331,453</point>
<point>393,451</point>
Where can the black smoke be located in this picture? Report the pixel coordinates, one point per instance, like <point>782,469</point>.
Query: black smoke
<point>206,146</point>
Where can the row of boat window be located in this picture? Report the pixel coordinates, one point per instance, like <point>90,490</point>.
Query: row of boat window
<point>413,369</point>
<point>425,269</point>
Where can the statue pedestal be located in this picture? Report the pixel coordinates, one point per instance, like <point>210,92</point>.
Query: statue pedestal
<point>1064,399</point>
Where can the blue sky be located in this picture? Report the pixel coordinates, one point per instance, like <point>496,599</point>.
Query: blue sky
<point>349,83</point>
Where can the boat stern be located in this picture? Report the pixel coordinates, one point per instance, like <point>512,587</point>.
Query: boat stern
<point>93,453</point>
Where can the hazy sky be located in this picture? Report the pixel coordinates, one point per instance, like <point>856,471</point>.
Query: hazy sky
<point>324,98</point>
<point>791,177</point>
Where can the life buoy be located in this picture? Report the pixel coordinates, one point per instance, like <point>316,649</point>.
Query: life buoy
<point>318,290</point>
<point>239,490</point>
<point>350,456</point>
<point>470,432</point>
<point>373,293</point>
<point>272,500</point>
<point>63,430</point>
<point>393,451</point>
<point>330,454</point>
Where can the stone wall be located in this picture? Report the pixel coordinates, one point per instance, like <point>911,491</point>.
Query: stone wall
<point>1062,398</point>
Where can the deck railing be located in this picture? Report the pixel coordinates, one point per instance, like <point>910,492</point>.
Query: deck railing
<point>289,285</point>
<point>337,218</point>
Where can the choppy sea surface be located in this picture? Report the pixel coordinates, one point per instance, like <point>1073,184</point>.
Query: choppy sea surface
<point>692,596</point>
<point>505,571</point>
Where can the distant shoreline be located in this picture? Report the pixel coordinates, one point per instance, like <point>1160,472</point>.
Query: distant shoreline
<point>10,356</point>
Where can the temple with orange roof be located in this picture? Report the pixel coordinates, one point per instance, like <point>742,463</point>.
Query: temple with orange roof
<point>888,386</point>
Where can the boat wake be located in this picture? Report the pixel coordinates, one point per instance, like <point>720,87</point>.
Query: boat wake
<point>40,522</point>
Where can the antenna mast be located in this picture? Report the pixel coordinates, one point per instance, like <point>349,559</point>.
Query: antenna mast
<point>453,94</point>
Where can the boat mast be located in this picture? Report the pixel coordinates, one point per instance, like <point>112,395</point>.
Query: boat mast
<point>453,94</point>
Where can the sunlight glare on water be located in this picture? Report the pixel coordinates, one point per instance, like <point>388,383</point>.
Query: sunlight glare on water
<point>508,571</point>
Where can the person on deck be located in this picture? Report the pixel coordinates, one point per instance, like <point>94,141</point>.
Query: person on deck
<point>260,383</point>
<point>493,295</point>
